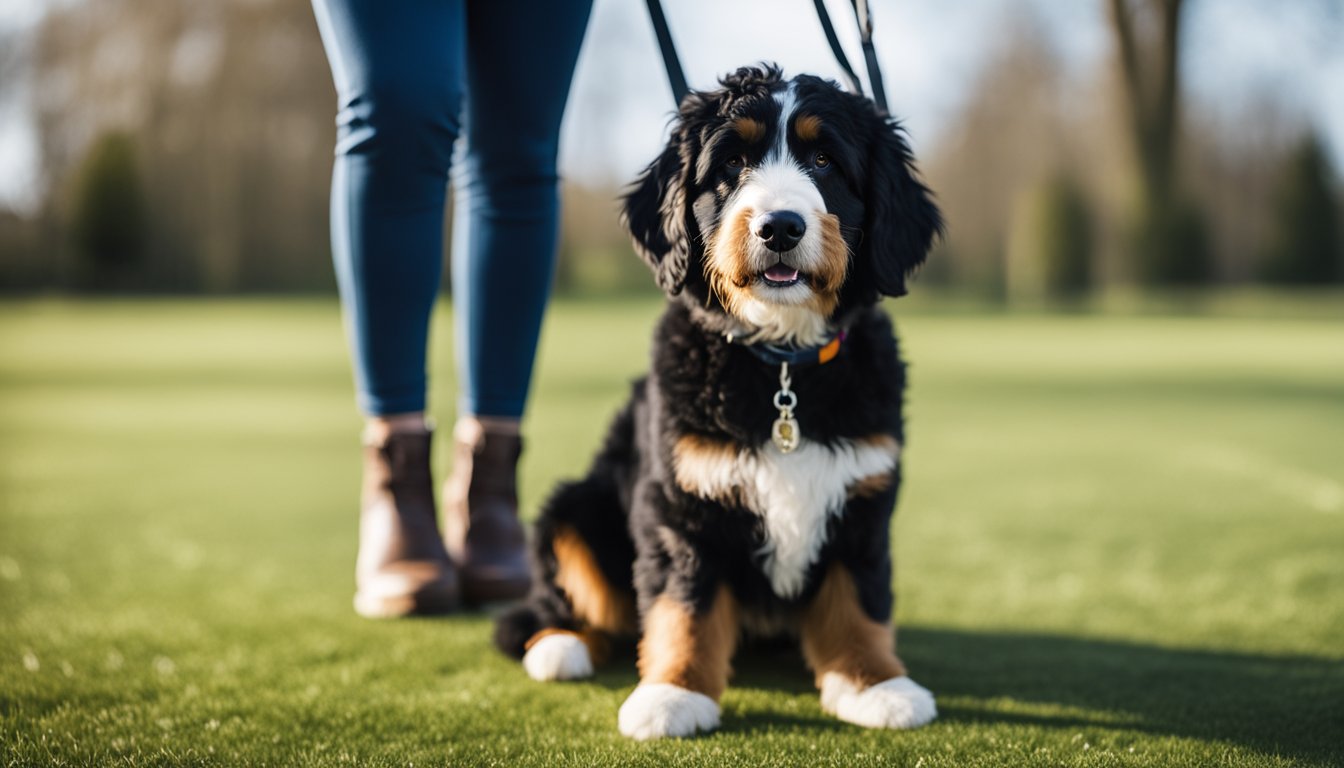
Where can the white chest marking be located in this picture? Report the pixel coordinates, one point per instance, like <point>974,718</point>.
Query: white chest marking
<point>795,494</point>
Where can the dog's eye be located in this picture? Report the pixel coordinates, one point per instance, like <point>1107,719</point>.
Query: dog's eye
<point>821,160</point>
<point>736,163</point>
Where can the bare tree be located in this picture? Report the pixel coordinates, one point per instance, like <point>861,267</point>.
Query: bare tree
<point>1151,81</point>
<point>1010,135</point>
<point>1169,240</point>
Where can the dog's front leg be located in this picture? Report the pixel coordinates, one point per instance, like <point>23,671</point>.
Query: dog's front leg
<point>690,627</point>
<point>854,658</point>
<point>684,659</point>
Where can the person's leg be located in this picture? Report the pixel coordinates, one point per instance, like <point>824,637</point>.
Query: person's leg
<point>520,60</point>
<point>398,69</point>
<point>398,73</point>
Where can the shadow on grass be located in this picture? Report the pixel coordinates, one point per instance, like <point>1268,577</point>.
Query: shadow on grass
<point>1290,706</point>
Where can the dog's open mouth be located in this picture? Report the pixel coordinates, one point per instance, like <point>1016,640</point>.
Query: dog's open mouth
<point>781,276</point>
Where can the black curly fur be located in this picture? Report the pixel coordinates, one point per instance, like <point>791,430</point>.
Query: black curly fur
<point>644,530</point>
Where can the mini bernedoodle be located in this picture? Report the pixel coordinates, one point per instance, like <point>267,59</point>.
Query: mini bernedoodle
<point>748,485</point>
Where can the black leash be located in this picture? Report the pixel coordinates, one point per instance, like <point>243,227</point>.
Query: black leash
<point>864,15</point>
<point>851,79</point>
<point>676,76</point>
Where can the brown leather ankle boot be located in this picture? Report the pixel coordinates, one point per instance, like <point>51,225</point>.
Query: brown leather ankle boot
<point>481,526</point>
<point>402,568</point>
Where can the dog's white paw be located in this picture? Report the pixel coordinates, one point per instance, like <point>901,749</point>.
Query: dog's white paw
<point>896,703</point>
<point>560,656</point>
<point>660,710</point>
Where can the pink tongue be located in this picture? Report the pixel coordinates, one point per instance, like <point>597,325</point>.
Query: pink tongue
<point>781,274</point>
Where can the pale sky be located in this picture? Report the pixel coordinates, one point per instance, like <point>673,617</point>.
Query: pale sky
<point>1237,53</point>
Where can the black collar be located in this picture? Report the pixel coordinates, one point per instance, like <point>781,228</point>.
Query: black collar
<point>774,354</point>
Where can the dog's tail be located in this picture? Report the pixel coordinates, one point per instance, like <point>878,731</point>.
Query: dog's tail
<point>582,555</point>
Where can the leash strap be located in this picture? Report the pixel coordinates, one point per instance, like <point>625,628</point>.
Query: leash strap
<point>676,76</point>
<point>864,15</point>
<point>851,79</point>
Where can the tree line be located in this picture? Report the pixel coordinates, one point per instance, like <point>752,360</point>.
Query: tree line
<point>186,147</point>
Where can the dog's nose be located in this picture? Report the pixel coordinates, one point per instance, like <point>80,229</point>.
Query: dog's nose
<point>781,230</point>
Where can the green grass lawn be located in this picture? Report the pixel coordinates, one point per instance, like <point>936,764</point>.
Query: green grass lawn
<point>1120,542</point>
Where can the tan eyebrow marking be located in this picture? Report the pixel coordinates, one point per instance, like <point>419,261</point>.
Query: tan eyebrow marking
<point>807,127</point>
<point>749,129</point>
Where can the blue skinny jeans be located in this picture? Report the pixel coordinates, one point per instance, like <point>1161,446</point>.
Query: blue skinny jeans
<point>412,76</point>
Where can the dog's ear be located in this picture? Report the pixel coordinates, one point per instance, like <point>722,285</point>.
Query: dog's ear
<point>654,212</point>
<point>902,217</point>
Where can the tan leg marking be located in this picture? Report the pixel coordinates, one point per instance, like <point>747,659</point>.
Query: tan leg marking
<point>597,604</point>
<point>839,637</point>
<point>689,651</point>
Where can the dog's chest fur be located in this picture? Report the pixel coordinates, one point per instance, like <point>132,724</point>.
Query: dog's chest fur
<point>795,494</point>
